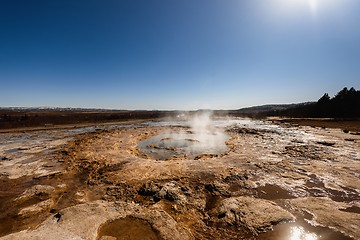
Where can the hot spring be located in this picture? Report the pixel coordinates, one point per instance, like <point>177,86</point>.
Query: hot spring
<point>202,138</point>
<point>183,145</point>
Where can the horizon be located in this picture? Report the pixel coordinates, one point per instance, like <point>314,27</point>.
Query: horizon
<point>170,110</point>
<point>185,110</point>
<point>124,109</point>
<point>171,55</point>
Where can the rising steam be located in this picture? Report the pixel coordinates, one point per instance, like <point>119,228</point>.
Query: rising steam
<point>202,137</point>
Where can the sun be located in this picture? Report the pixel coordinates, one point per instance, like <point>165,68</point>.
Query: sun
<point>317,11</point>
<point>313,4</point>
<point>301,6</point>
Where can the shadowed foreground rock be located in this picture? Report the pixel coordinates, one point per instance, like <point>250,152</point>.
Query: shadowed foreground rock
<point>84,220</point>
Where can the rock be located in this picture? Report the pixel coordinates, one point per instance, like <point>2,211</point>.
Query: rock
<point>236,177</point>
<point>205,156</point>
<point>258,215</point>
<point>216,188</point>
<point>172,192</point>
<point>80,196</point>
<point>327,212</point>
<point>326,143</point>
<point>297,141</point>
<point>350,139</point>
<point>48,174</point>
<point>211,187</point>
<point>37,208</point>
<point>62,186</point>
<point>246,130</point>
<point>36,191</point>
<point>149,189</point>
<point>121,191</point>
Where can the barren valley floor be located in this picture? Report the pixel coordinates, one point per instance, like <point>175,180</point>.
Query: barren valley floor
<point>274,181</point>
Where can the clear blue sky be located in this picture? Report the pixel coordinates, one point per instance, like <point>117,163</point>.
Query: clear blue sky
<point>176,54</point>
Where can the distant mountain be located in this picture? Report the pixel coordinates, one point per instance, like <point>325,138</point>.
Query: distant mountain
<point>57,109</point>
<point>270,107</point>
<point>266,110</point>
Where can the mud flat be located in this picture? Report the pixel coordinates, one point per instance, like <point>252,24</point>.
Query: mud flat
<point>272,181</point>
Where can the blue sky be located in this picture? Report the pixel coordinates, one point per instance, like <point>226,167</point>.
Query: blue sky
<point>174,54</point>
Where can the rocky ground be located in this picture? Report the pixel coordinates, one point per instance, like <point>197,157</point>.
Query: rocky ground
<point>274,181</point>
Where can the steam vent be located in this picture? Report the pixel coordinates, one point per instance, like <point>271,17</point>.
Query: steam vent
<point>188,144</point>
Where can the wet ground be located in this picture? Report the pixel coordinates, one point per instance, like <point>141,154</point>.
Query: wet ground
<point>189,145</point>
<point>128,228</point>
<point>232,179</point>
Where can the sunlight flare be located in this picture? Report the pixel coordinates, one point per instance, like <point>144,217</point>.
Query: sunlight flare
<point>313,4</point>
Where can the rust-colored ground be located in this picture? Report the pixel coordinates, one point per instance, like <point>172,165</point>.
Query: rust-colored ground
<point>274,180</point>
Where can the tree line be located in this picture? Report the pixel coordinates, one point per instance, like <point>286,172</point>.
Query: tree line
<point>345,104</point>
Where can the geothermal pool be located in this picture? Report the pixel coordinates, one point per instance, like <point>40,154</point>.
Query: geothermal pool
<point>203,178</point>
<point>184,145</point>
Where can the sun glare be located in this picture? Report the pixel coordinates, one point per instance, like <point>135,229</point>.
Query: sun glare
<point>300,5</point>
<point>313,4</point>
<point>298,233</point>
<point>304,8</point>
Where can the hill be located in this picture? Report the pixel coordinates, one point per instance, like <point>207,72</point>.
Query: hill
<point>345,104</point>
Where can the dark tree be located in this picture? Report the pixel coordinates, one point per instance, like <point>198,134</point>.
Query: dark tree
<point>345,104</point>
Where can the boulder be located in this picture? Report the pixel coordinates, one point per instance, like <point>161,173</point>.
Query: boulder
<point>172,192</point>
<point>36,209</point>
<point>258,215</point>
